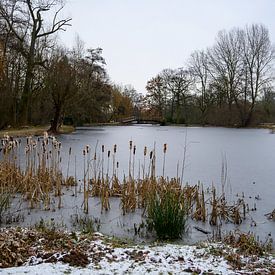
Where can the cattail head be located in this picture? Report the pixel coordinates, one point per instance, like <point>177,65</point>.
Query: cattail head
<point>145,151</point>
<point>27,149</point>
<point>84,152</point>
<point>46,135</point>
<point>87,148</point>
<point>28,140</point>
<point>109,152</point>
<point>115,148</point>
<point>95,156</point>
<point>70,151</point>
<point>151,154</point>
<point>131,144</point>
<point>117,164</point>
<point>102,148</point>
<point>134,149</point>
<point>164,148</point>
<point>54,142</point>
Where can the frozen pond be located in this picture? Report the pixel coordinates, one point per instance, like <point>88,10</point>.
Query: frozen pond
<point>249,155</point>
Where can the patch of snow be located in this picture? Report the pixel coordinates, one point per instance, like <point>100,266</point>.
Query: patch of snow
<point>166,259</point>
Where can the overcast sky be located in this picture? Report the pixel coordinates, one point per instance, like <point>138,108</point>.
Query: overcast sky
<point>141,37</point>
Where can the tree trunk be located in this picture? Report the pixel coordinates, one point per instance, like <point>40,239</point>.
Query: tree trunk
<point>55,123</point>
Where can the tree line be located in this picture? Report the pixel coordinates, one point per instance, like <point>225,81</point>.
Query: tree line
<point>43,81</point>
<point>230,83</point>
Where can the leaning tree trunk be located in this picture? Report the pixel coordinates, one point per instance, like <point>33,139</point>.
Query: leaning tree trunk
<point>55,122</point>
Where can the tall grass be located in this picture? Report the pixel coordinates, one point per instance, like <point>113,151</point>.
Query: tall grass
<point>167,213</point>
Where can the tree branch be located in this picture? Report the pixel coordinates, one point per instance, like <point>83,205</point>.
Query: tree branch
<point>56,26</point>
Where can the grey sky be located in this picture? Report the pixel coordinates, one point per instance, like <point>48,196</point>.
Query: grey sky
<point>141,37</point>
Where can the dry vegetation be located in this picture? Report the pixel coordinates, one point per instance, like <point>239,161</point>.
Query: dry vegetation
<point>41,177</point>
<point>166,202</point>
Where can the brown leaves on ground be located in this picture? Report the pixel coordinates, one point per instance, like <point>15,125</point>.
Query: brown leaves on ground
<point>18,245</point>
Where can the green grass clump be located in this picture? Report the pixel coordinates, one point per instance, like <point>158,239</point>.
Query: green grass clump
<point>166,214</point>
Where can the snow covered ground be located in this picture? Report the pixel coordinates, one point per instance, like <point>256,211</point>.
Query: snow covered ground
<point>107,257</point>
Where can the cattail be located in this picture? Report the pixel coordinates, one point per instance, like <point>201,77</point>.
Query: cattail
<point>117,164</point>
<point>130,156</point>
<point>164,151</point>
<point>115,148</point>
<point>109,152</point>
<point>84,152</point>
<point>102,148</point>
<point>145,151</point>
<point>46,135</point>
<point>28,140</point>
<point>87,149</point>
<point>26,149</point>
<point>164,148</point>
<point>134,152</point>
<point>70,151</point>
<point>151,154</point>
<point>33,144</point>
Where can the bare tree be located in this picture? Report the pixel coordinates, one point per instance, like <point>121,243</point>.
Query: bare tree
<point>225,63</point>
<point>178,82</point>
<point>61,85</point>
<point>258,57</point>
<point>157,95</point>
<point>26,24</point>
<point>199,68</point>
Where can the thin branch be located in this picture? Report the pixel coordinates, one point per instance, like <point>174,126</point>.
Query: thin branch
<point>56,26</point>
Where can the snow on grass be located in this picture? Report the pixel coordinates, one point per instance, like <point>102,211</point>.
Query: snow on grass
<point>98,254</point>
<point>160,259</point>
<point>167,259</point>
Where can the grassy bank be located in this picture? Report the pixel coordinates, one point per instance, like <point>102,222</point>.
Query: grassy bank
<point>33,131</point>
<point>59,252</point>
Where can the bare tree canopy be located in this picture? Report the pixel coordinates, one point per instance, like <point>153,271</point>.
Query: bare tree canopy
<point>222,83</point>
<point>26,28</point>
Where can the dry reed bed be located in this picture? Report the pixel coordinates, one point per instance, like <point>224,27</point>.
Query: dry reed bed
<point>42,177</point>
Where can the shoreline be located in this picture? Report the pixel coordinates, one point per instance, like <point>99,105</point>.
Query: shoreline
<point>34,131</point>
<point>270,126</point>
<point>28,250</point>
<point>67,129</point>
